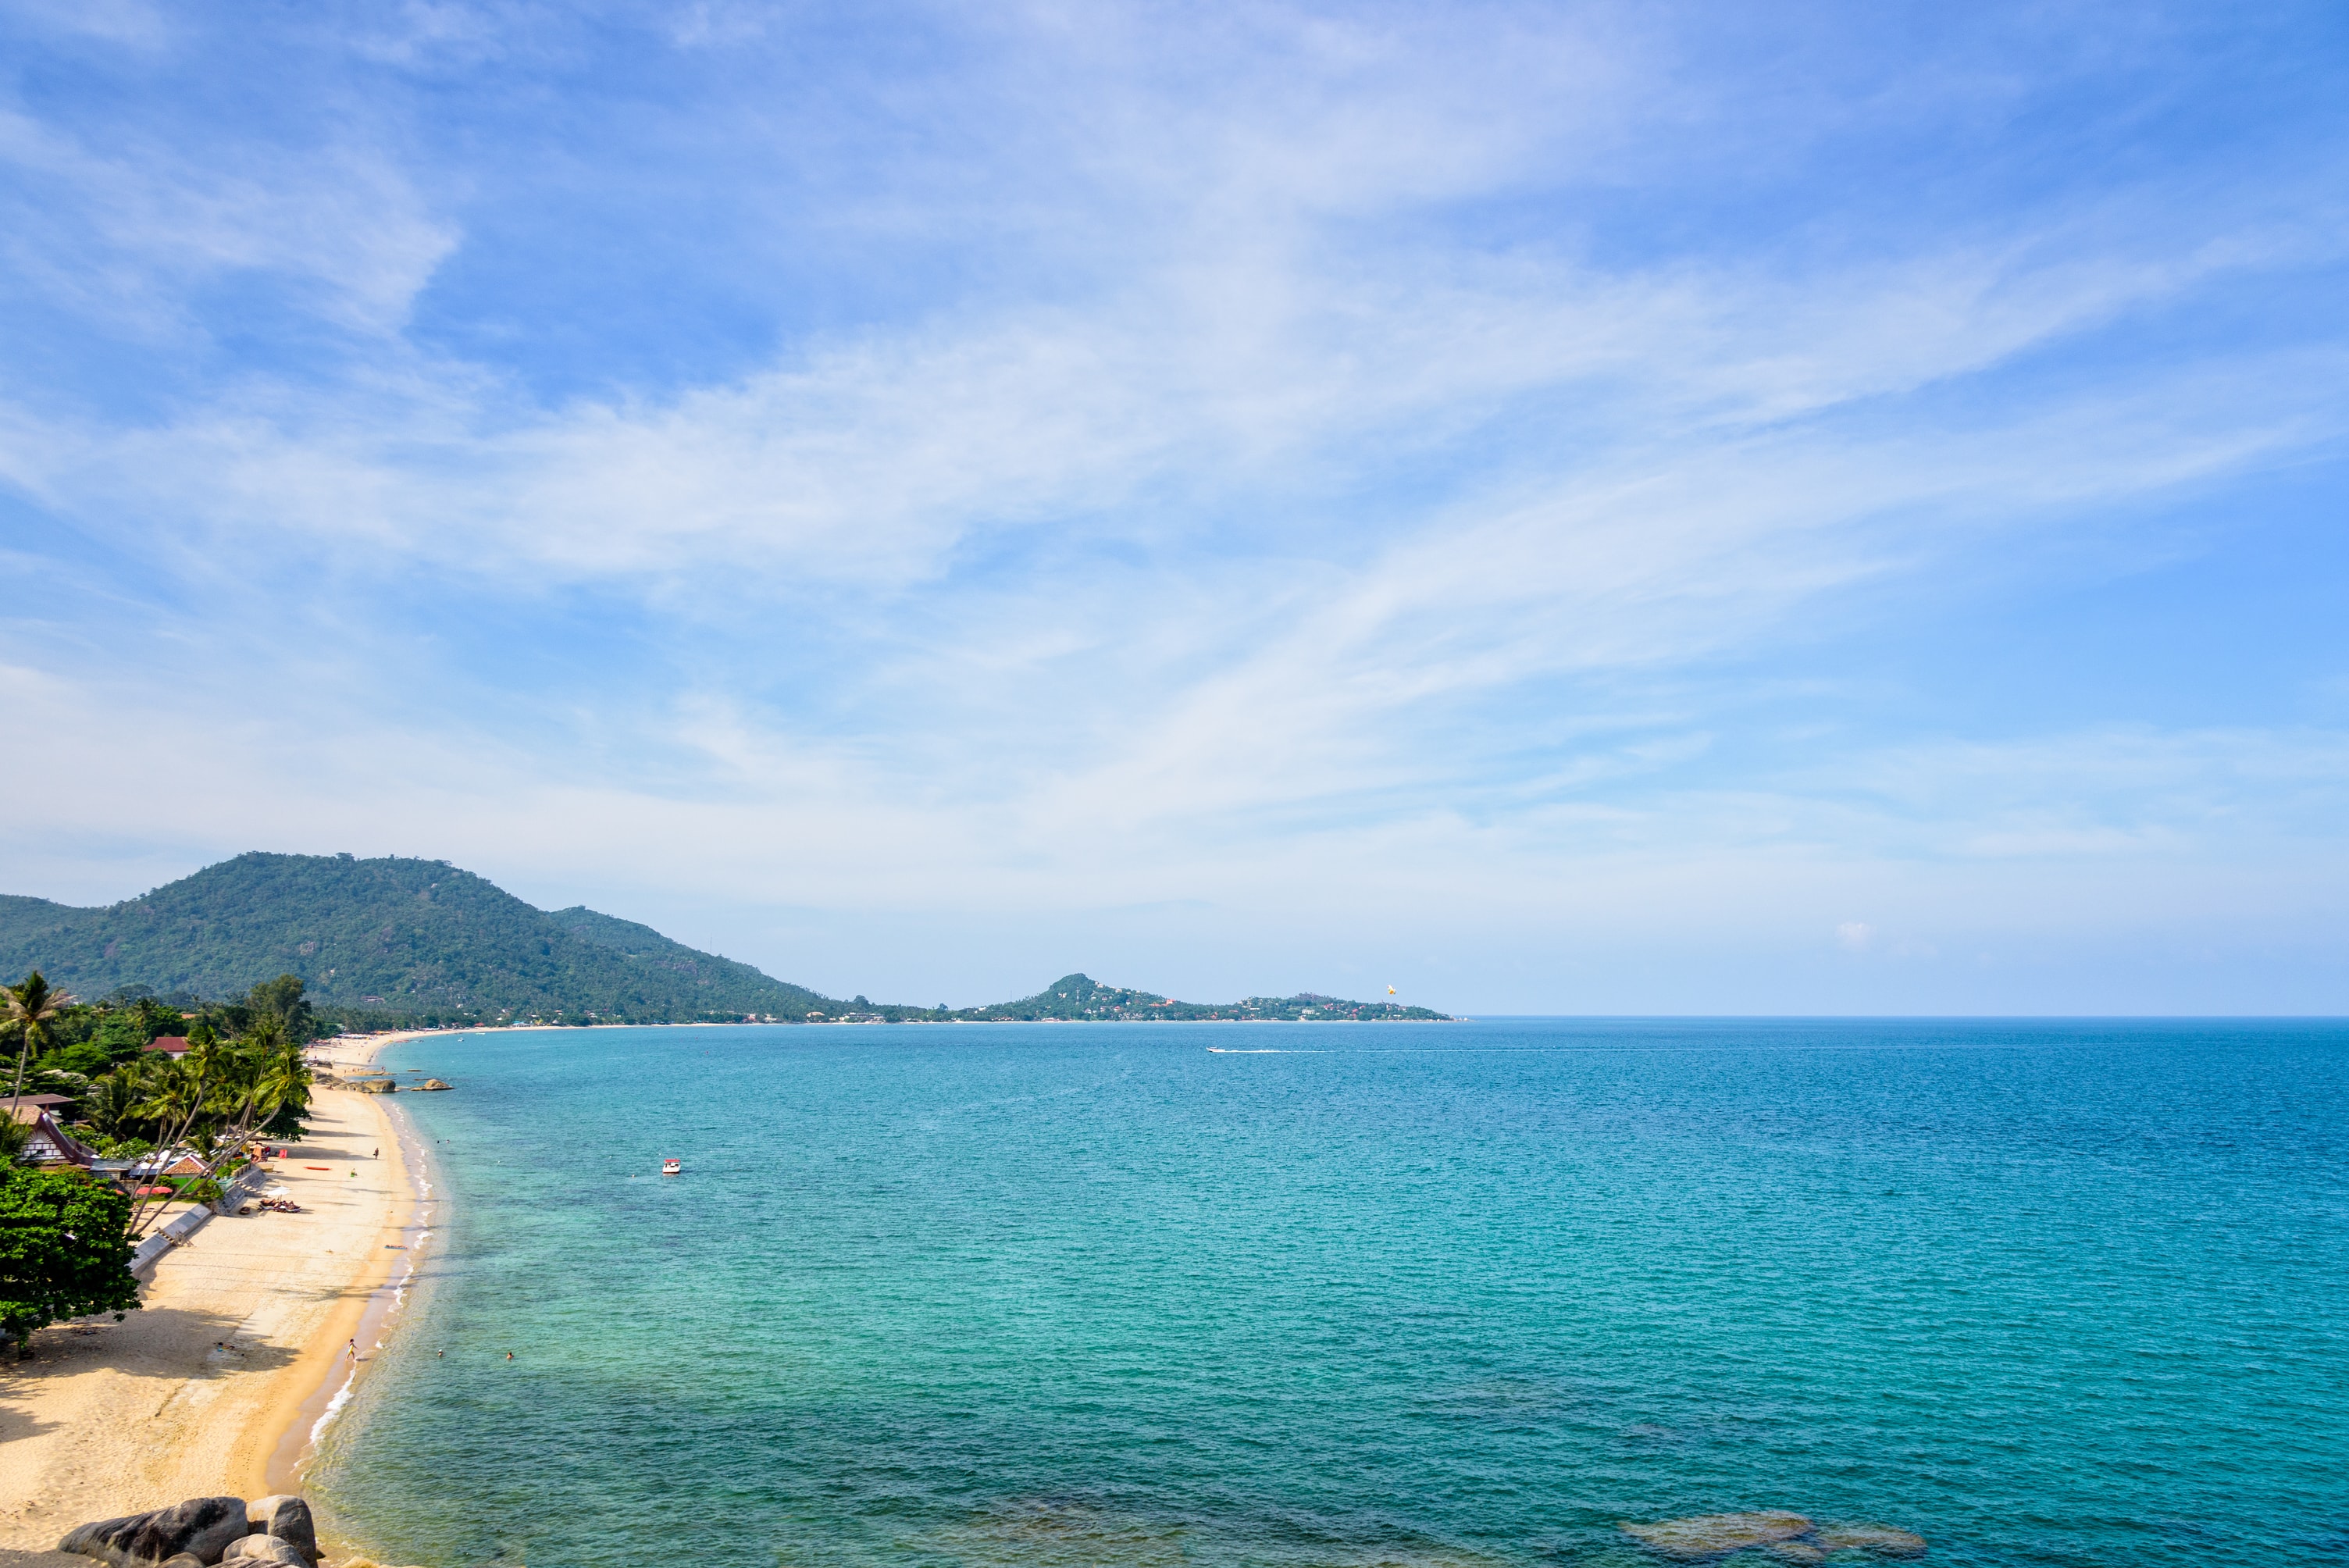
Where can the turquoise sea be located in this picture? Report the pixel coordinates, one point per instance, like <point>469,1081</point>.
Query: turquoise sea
<point>1350,1295</point>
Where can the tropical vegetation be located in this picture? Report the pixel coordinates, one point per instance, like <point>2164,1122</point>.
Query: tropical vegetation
<point>242,1076</point>
<point>64,1249</point>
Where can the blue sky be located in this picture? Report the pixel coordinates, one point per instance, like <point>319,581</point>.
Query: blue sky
<point>1581,508</point>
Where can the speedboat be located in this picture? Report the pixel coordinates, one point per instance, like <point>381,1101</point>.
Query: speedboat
<point>672,1167</point>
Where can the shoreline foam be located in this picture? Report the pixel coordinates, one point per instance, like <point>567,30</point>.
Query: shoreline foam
<point>315,1400</point>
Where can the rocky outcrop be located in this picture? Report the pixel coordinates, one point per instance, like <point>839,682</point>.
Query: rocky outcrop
<point>268,1532</point>
<point>434,1083</point>
<point>199,1530</point>
<point>285,1518</point>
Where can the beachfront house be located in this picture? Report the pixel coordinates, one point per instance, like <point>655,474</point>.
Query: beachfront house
<point>168,1162</point>
<point>48,1144</point>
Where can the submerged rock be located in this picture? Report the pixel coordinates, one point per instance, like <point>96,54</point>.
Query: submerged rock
<point>1716,1534</point>
<point>199,1529</point>
<point>1879,1538</point>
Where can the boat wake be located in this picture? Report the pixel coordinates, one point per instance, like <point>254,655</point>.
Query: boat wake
<point>1254,1051</point>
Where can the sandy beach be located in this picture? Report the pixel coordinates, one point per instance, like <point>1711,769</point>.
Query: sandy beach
<point>213,1386</point>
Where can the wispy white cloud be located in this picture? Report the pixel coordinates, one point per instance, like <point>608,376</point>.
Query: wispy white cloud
<point>1303,478</point>
<point>123,233</point>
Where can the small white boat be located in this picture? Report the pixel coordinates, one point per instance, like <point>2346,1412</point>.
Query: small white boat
<point>672,1167</point>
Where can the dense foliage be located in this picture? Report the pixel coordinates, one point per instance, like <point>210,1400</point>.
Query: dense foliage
<point>202,1106</point>
<point>63,1251</point>
<point>383,942</point>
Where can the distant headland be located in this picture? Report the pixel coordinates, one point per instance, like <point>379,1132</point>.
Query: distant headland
<point>395,943</point>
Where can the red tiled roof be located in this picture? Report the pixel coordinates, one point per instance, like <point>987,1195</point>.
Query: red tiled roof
<point>174,1043</point>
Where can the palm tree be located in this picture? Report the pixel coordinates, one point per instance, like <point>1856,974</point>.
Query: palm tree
<point>111,1105</point>
<point>177,1094</point>
<point>250,1082</point>
<point>285,1080</point>
<point>29,1008</point>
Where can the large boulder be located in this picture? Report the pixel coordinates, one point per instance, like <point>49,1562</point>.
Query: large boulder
<point>259,1550</point>
<point>200,1528</point>
<point>286,1518</point>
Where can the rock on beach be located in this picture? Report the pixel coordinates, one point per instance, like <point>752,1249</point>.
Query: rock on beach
<point>199,1529</point>
<point>204,1531</point>
<point>286,1518</point>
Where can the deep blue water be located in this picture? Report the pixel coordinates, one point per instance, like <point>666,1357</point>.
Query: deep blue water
<point>2045,1293</point>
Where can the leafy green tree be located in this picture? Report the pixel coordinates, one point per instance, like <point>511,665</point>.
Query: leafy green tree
<point>280,1000</point>
<point>63,1250</point>
<point>121,1034</point>
<point>88,1058</point>
<point>29,1009</point>
<point>157,1019</point>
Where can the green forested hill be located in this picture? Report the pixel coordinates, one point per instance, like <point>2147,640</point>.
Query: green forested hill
<point>418,938</point>
<point>389,940</point>
<point>1072,998</point>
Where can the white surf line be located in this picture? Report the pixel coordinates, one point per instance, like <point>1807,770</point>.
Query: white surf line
<point>334,1406</point>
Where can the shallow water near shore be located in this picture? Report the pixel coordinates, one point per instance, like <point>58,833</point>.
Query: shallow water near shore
<point>2044,1292</point>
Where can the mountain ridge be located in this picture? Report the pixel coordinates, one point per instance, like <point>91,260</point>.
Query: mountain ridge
<point>425,941</point>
